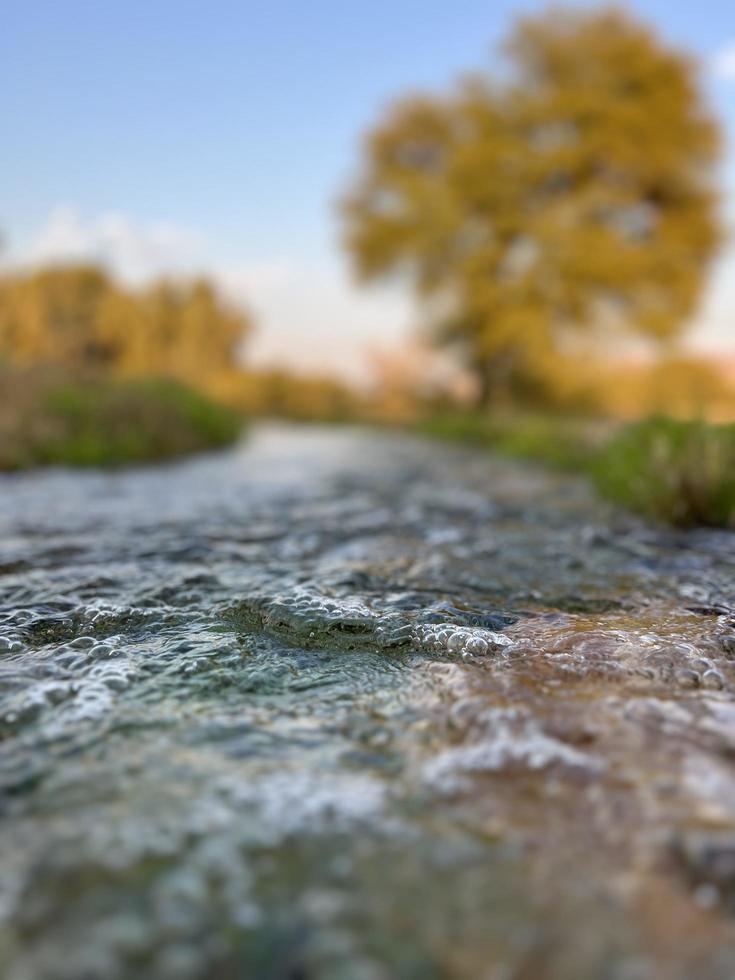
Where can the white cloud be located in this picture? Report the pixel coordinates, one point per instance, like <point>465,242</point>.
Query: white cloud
<point>133,250</point>
<point>723,63</point>
<point>243,281</point>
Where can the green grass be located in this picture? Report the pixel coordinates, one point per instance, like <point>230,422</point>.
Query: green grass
<point>679,473</point>
<point>45,419</point>
<point>682,473</point>
<point>565,444</point>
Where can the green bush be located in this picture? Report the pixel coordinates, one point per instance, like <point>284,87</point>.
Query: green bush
<point>679,472</point>
<point>47,419</point>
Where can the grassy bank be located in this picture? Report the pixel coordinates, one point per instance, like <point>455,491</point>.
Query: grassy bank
<point>561,442</point>
<point>46,418</point>
<point>676,472</point>
<point>682,473</point>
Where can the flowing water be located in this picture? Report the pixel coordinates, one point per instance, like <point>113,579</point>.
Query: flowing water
<point>338,704</point>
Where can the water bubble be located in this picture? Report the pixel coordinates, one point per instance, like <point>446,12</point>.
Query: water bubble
<point>82,643</point>
<point>456,642</point>
<point>102,650</point>
<point>476,646</point>
<point>687,678</point>
<point>713,679</point>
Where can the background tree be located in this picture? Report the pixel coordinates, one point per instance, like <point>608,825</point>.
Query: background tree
<point>79,318</point>
<point>53,315</point>
<point>569,197</point>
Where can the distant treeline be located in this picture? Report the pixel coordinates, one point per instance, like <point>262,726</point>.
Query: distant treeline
<point>81,319</point>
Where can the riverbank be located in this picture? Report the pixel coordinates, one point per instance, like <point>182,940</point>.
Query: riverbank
<point>47,417</point>
<point>673,471</point>
<point>676,472</point>
<point>564,443</point>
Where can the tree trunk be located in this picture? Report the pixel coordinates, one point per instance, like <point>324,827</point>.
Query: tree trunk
<point>494,382</point>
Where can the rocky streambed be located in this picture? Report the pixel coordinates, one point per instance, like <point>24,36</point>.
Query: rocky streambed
<point>339,704</point>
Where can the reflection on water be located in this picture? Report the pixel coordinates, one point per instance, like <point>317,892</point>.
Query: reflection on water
<point>346,705</point>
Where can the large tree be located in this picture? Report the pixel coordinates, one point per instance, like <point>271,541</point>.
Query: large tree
<point>569,195</point>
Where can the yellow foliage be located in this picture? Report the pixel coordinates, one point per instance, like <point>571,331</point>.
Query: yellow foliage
<point>292,396</point>
<point>572,194</point>
<point>79,318</point>
<point>679,386</point>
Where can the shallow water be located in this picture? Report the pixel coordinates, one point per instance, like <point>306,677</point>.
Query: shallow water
<point>339,704</point>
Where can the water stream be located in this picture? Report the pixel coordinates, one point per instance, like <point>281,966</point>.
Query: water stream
<point>339,705</point>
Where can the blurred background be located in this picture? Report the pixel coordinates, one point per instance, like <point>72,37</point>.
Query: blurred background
<point>393,212</point>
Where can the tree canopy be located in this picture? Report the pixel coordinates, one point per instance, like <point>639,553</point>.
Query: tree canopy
<point>569,196</point>
<point>80,318</point>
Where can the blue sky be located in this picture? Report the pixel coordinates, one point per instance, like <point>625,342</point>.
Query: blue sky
<point>216,136</point>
